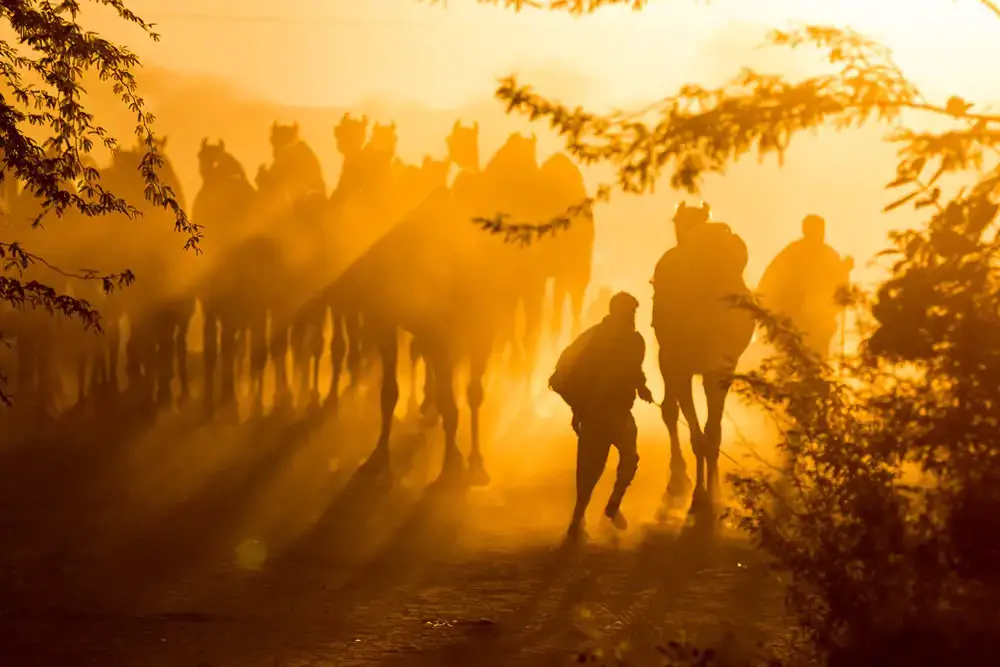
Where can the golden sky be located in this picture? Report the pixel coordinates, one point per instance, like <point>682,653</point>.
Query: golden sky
<point>343,52</point>
<point>320,52</point>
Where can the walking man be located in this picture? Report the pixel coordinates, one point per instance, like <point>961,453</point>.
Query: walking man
<point>599,376</point>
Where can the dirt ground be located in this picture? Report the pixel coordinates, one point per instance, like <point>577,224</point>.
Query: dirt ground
<point>186,546</point>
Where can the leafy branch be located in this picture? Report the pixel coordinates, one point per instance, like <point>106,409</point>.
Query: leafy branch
<point>41,75</point>
<point>575,7</point>
<point>527,233</point>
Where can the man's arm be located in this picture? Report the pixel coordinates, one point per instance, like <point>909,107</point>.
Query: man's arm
<point>640,385</point>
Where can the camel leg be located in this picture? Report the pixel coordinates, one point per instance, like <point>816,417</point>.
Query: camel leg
<point>338,348</point>
<point>453,468</point>
<point>228,352</point>
<point>279,357</point>
<point>576,295</point>
<point>210,334</point>
<point>258,362</point>
<point>717,384</point>
<point>354,332</point>
<point>99,380</point>
<point>475,395</point>
<point>296,350</point>
<point>81,380</point>
<point>109,355</point>
<point>387,340</point>
<point>140,352</point>
<point>680,387</point>
<point>316,357</point>
<point>181,354</point>
<point>679,484</point>
<point>164,367</point>
<point>559,295</point>
<point>413,405</point>
<point>239,354</point>
<point>428,406</point>
<point>534,305</point>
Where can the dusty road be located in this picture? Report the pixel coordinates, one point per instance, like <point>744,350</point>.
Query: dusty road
<point>250,569</point>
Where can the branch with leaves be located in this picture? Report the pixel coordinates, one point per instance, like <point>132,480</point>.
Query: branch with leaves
<point>882,571</point>
<point>41,75</point>
<point>575,7</point>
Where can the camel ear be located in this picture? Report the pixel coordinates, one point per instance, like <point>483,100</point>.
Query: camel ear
<point>457,126</point>
<point>475,126</point>
<point>222,144</point>
<point>392,126</point>
<point>204,143</point>
<point>364,119</point>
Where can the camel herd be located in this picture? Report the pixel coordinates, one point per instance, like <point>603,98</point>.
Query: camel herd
<point>391,248</point>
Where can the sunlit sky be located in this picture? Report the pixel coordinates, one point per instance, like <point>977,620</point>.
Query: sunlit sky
<point>320,52</point>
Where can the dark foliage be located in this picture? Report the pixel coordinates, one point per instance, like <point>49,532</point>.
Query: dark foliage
<point>886,514</point>
<point>46,132</point>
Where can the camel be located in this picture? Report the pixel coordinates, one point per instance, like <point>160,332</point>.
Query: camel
<point>571,251</point>
<point>699,333</point>
<point>514,184</point>
<point>350,136</point>
<point>223,206</point>
<point>417,278</point>
<point>292,195</point>
<point>37,381</point>
<point>158,311</point>
<point>366,204</point>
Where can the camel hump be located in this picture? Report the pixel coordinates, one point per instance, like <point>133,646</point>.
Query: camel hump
<point>301,162</point>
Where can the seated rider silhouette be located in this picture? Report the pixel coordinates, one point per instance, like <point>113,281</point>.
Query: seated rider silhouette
<point>802,281</point>
<point>599,376</point>
<point>693,279</point>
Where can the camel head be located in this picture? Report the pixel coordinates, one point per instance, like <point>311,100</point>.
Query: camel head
<point>127,158</point>
<point>383,139</point>
<point>283,136</point>
<point>160,144</point>
<point>351,134</point>
<point>687,217</point>
<point>434,172</point>
<point>209,157</point>
<point>463,145</point>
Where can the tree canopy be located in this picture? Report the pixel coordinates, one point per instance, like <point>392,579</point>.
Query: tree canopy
<point>46,133</point>
<point>882,572</point>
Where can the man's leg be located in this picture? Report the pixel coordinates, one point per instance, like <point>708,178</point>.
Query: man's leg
<point>591,456</point>
<point>628,464</point>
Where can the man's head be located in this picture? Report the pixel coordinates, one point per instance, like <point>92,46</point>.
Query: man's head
<point>622,309</point>
<point>814,228</point>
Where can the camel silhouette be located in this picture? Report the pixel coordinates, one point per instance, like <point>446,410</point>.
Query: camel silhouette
<point>699,333</point>
<point>571,252</point>
<point>224,207</point>
<point>292,195</point>
<point>159,307</point>
<point>440,278</point>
